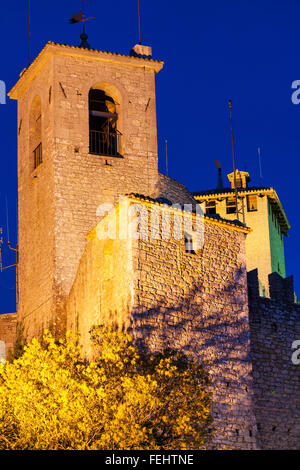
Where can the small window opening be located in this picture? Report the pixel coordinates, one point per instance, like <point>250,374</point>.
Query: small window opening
<point>189,246</point>
<point>274,327</point>
<point>252,203</point>
<point>103,117</point>
<point>35,132</point>
<point>239,183</point>
<point>210,207</point>
<point>231,206</point>
<point>37,155</point>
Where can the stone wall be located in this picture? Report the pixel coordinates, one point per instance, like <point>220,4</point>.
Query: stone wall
<point>102,292</point>
<point>84,181</point>
<point>8,326</point>
<point>173,190</point>
<point>196,302</point>
<point>37,303</point>
<point>275,325</point>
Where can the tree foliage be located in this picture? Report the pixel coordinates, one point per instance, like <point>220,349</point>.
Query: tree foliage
<point>51,398</point>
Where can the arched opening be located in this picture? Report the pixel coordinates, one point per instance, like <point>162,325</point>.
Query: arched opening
<point>35,132</point>
<point>103,119</point>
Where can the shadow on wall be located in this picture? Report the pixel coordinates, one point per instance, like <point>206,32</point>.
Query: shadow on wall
<point>213,329</point>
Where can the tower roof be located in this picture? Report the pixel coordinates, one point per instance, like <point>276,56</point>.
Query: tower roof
<point>51,49</point>
<point>259,191</point>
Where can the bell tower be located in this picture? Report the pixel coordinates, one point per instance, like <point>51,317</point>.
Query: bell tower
<point>86,136</point>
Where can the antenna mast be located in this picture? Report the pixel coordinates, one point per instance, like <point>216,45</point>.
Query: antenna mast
<point>1,241</point>
<point>167,162</point>
<point>16,250</point>
<point>29,35</point>
<point>238,212</point>
<point>139,15</point>
<point>260,170</point>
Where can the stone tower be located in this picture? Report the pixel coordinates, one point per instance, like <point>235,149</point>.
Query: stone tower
<point>86,135</point>
<point>263,213</point>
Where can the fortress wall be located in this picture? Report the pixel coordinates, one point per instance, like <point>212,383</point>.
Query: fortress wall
<point>102,291</point>
<point>275,325</point>
<point>198,303</point>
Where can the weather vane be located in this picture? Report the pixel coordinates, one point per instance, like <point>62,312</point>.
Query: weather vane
<point>80,18</point>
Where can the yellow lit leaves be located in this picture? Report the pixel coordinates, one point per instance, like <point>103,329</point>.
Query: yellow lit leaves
<point>51,398</point>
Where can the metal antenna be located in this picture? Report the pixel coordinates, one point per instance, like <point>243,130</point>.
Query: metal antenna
<point>7,222</point>
<point>167,163</point>
<point>260,170</point>
<point>29,35</point>
<point>234,170</point>
<point>139,15</point>
<point>16,250</point>
<point>1,241</point>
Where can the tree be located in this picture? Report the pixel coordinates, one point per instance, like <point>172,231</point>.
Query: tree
<point>51,398</point>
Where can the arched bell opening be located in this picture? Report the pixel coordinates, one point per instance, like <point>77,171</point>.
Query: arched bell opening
<point>103,121</point>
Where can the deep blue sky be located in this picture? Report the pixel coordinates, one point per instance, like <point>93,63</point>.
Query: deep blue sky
<point>246,51</point>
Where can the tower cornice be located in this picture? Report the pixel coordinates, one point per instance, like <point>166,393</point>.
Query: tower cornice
<point>272,195</point>
<point>51,49</point>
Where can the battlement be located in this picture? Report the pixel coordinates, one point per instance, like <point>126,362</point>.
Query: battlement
<point>281,289</point>
<point>274,326</point>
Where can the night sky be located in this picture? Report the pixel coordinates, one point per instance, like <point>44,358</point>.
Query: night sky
<point>246,51</point>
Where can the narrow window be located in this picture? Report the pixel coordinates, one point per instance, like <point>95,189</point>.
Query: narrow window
<point>252,203</point>
<point>37,155</point>
<point>35,132</point>
<point>189,246</point>
<point>210,207</point>
<point>103,117</point>
<point>239,183</point>
<point>230,206</point>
